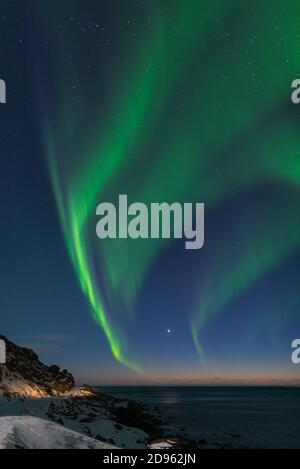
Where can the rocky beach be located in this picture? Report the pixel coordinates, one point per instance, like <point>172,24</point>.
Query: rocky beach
<point>45,399</point>
<point>42,407</point>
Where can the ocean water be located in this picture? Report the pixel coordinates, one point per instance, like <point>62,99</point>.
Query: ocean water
<point>256,417</point>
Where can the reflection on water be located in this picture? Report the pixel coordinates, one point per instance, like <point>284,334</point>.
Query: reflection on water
<point>265,417</point>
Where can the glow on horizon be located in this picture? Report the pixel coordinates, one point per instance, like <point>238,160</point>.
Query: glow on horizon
<point>209,378</point>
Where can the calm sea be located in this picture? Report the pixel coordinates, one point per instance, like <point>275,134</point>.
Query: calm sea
<point>262,417</point>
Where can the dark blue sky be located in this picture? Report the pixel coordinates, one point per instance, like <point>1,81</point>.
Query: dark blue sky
<point>42,305</point>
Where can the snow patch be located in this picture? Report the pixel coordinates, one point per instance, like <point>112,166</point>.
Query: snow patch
<point>35,433</point>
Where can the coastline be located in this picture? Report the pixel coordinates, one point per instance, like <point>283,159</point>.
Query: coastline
<point>117,422</point>
<point>160,419</point>
<point>121,423</point>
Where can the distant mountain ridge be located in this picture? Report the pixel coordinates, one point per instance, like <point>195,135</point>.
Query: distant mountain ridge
<point>24,375</point>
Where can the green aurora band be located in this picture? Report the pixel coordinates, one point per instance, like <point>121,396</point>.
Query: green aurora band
<point>232,129</point>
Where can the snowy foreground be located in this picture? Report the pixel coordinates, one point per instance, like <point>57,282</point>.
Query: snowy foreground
<point>81,421</point>
<point>65,422</point>
<point>40,407</point>
<point>35,433</point>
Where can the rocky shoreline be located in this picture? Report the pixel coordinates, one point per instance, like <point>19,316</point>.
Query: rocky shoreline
<point>156,430</point>
<point>123,413</point>
<point>30,388</point>
<point>121,423</point>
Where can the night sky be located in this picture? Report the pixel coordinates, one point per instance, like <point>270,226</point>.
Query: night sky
<point>163,100</point>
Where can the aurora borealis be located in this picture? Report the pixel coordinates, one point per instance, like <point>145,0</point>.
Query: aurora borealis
<point>172,101</point>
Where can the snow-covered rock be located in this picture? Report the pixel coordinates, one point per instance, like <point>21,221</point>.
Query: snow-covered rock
<point>24,375</point>
<point>163,443</point>
<point>52,411</point>
<point>92,417</point>
<point>36,433</point>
